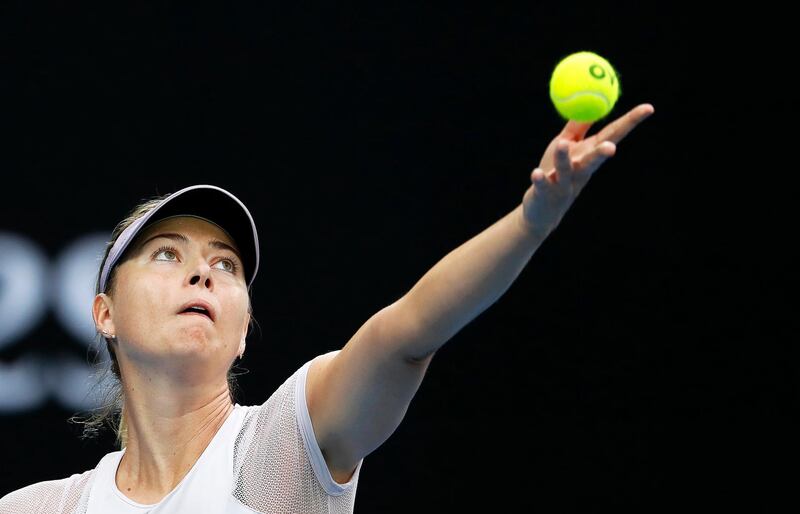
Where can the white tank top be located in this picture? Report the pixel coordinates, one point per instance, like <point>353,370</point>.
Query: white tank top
<point>264,458</point>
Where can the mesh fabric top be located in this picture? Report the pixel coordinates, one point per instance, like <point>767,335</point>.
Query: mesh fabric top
<point>264,458</point>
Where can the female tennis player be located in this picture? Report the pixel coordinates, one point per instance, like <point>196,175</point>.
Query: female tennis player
<point>173,306</point>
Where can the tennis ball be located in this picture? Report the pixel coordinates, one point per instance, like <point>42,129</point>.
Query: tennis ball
<point>584,87</point>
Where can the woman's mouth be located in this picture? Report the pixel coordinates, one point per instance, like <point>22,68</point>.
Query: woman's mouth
<point>196,313</point>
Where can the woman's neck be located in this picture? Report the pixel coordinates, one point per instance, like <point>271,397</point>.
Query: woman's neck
<point>163,448</point>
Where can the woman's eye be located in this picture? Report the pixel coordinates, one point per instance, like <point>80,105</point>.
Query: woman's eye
<point>166,251</point>
<point>231,265</point>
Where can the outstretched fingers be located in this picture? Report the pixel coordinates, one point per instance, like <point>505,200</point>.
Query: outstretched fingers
<point>621,127</point>
<point>563,163</point>
<point>595,157</point>
<point>575,130</point>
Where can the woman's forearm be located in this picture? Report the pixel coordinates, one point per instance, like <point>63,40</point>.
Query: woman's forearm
<point>467,281</point>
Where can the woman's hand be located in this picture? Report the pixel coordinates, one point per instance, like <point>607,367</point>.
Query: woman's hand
<point>567,165</point>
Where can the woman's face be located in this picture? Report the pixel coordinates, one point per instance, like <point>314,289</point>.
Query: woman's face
<point>160,276</point>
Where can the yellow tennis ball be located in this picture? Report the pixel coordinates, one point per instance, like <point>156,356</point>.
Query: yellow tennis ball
<point>584,87</point>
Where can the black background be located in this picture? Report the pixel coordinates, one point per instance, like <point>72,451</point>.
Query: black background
<point>636,361</point>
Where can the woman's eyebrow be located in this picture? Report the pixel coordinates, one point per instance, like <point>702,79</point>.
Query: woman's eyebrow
<point>213,243</point>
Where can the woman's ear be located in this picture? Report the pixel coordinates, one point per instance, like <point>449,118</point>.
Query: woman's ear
<point>248,320</point>
<point>102,310</point>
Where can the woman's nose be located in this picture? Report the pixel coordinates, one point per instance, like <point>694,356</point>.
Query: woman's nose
<point>201,278</point>
<point>201,274</point>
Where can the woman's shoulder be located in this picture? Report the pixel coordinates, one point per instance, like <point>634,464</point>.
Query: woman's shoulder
<point>58,496</point>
